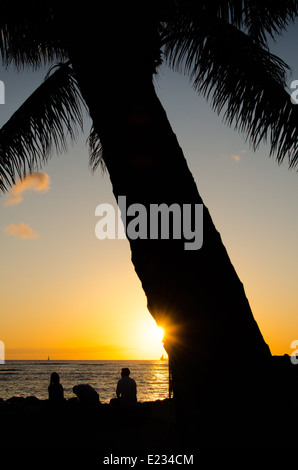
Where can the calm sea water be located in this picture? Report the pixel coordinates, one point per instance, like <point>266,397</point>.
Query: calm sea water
<point>27,378</point>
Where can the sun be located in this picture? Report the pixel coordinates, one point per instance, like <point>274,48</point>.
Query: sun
<point>159,333</point>
<point>149,339</point>
<point>154,333</point>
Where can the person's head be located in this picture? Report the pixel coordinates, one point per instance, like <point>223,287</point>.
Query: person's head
<point>55,379</point>
<point>125,372</point>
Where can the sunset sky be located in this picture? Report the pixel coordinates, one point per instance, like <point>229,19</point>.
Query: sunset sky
<point>67,295</point>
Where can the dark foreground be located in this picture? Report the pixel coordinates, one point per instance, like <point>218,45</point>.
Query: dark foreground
<point>29,423</point>
<point>29,426</point>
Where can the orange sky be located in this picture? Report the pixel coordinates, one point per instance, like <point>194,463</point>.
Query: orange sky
<point>67,295</point>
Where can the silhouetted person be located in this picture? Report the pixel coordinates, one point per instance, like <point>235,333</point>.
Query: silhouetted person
<point>86,394</point>
<point>126,390</point>
<point>56,392</point>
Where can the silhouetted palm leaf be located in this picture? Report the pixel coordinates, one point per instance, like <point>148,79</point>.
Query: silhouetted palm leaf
<point>45,121</point>
<point>29,34</point>
<point>95,152</point>
<point>221,44</point>
<point>243,80</point>
<point>267,17</point>
<point>258,18</point>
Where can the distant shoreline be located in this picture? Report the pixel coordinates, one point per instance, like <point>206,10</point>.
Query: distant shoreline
<point>85,360</point>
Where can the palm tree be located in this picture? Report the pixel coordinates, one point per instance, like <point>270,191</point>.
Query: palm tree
<point>108,63</point>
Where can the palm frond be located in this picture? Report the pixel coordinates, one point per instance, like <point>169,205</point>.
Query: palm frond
<point>258,18</point>
<point>45,121</point>
<point>244,81</point>
<point>28,34</point>
<point>95,152</point>
<point>268,17</point>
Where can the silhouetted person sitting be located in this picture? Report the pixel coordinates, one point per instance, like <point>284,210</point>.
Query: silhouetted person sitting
<point>56,392</point>
<point>126,390</point>
<point>86,394</point>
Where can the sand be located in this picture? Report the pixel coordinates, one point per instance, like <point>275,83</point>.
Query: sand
<point>28,424</point>
<point>34,429</point>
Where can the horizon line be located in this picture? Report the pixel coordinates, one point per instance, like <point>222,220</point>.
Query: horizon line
<point>65,359</point>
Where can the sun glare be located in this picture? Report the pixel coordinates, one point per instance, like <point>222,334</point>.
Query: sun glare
<point>159,333</point>
<point>154,334</point>
<point>150,339</point>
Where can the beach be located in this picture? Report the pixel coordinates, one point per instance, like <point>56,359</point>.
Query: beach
<point>31,429</point>
<point>29,425</point>
<point>29,422</point>
<point>73,431</point>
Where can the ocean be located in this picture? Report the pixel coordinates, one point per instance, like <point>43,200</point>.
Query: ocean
<point>32,378</point>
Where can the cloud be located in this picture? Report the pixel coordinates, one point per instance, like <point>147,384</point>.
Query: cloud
<point>38,181</point>
<point>235,156</point>
<point>238,156</point>
<point>21,231</point>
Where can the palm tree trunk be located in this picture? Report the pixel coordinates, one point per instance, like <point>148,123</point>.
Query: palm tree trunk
<point>213,342</point>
